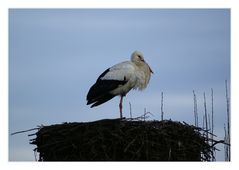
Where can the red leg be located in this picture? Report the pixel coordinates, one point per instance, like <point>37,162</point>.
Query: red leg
<point>121,106</point>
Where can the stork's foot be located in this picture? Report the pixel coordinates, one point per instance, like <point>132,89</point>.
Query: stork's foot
<point>123,118</point>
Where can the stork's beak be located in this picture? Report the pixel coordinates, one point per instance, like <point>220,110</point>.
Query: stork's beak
<point>151,70</point>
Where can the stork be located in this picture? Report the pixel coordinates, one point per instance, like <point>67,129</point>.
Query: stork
<point>119,79</point>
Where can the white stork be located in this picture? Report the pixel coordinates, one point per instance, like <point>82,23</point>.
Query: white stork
<point>119,80</point>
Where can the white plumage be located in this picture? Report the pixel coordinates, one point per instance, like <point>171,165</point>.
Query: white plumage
<point>119,80</point>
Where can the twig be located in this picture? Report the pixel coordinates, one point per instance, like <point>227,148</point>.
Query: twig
<point>25,131</point>
<point>195,109</point>
<point>225,146</point>
<point>162,113</point>
<point>212,124</point>
<point>144,113</point>
<point>205,110</point>
<point>228,121</point>
<point>130,110</point>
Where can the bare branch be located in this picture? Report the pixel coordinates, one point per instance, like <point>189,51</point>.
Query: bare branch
<point>162,113</point>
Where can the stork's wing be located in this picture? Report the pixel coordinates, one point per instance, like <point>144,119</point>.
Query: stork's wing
<point>109,80</point>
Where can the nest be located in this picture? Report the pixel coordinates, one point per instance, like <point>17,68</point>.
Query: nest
<point>122,140</point>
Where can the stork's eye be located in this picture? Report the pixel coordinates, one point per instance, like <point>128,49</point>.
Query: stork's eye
<point>140,58</point>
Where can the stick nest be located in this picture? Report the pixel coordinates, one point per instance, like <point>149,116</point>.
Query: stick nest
<point>122,140</point>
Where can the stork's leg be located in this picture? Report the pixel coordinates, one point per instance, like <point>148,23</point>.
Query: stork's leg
<point>121,106</point>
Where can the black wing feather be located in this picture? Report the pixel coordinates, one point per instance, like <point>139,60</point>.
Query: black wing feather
<point>100,92</point>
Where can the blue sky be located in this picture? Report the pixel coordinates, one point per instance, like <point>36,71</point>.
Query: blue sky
<point>56,55</point>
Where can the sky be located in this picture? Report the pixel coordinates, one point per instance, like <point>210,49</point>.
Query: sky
<point>56,55</point>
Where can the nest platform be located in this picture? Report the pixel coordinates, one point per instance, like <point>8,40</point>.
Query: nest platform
<point>122,140</point>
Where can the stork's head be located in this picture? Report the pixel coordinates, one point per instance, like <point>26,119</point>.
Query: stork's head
<point>138,58</point>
